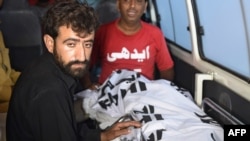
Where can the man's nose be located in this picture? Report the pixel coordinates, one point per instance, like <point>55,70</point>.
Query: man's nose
<point>81,53</point>
<point>132,3</point>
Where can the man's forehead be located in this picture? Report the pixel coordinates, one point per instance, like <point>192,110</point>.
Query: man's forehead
<point>67,30</point>
<point>85,34</point>
<point>64,29</point>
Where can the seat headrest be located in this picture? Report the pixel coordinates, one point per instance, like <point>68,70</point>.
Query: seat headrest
<point>15,4</point>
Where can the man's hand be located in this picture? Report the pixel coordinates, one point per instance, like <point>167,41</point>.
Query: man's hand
<point>94,86</point>
<point>118,129</point>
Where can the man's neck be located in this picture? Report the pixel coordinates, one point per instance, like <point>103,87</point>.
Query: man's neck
<point>129,28</point>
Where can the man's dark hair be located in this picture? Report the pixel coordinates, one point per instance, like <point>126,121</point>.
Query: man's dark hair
<point>79,16</point>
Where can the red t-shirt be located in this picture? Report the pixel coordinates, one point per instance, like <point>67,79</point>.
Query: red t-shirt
<point>139,52</point>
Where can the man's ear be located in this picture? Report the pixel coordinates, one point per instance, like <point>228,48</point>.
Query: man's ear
<point>49,42</point>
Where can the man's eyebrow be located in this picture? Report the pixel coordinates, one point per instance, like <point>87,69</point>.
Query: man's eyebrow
<point>90,40</point>
<point>71,39</point>
<point>77,40</point>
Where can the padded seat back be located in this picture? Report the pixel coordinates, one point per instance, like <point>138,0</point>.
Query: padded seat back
<point>15,4</point>
<point>22,33</point>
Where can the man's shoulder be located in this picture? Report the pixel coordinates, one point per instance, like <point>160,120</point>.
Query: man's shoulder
<point>108,25</point>
<point>40,82</point>
<point>41,78</point>
<point>150,27</point>
<point>102,30</point>
<point>42,70</point>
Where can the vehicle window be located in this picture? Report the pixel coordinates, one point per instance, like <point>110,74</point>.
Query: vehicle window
<point>226,30</point>
<point>174,22</point>
<point>226,33</point>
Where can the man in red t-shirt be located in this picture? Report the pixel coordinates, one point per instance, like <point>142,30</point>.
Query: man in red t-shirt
<point>130,43</point>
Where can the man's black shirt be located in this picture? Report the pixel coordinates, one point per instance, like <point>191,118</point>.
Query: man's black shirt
<point>41,107</point>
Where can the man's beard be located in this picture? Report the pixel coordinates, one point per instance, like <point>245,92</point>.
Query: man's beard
<point>67,68</point>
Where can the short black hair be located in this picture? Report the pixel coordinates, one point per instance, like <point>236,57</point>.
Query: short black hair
<point>79,16</point>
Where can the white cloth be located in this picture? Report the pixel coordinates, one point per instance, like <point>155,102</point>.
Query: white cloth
<point>163,108</point>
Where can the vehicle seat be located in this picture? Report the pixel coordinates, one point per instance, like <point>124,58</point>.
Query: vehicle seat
<point>22,32</point>
<point>107,11</point>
